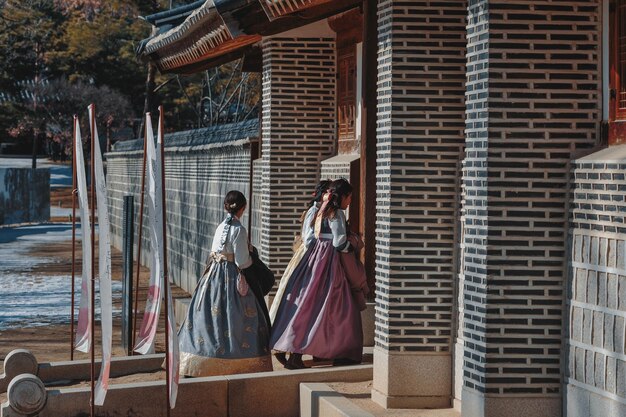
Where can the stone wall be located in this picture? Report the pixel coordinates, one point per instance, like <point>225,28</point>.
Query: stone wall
<point>298,132</point>
<point>24,196</point>
<point>201,167</point>
<point>533,103</point>
<point>420,139</point>
<point>596,371</point>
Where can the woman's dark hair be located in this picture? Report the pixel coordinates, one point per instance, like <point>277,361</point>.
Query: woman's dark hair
<point>234,201</point>
<point>320,190</point>
<point>337,190</point>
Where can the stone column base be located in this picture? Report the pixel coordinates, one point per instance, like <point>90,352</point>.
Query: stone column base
<point>404,380</point>
<point>475,404</point>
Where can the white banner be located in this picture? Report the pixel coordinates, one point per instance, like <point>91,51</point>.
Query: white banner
<point>104,269</point>
<point>173,356</point>
<point>83,330</point>
<point>148,329</point>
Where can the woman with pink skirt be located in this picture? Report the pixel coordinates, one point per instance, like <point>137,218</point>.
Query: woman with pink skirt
<point>318,314</point>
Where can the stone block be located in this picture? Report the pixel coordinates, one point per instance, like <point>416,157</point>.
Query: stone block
<point>580,364</point>
<point>589,367</point>
<point>411,381</point>
<point>592,287</point>
<point>599,376</point>
<point>477,405</point>
<point>197,396</point>
<point>621,255</point>
<point>609,325</point>
<point>578,245</point>
<point>587,326</point>
<point>621,378</point>
<point>602,289</point>
<point>581,285</point>
<point>603,252</point>
<point>577,402</point>
<point>622,293</point>
<point>81,369</point>
<point>586,248</point>
<point>594,253</point>
<point>612,255</point>
<point>612,291</point>
<point>598,328</point>
<point>611,375</point>
<point>319,400</point>
<point>281,389</point>
<point>577,323</point>
<point>605,407</point>
<point>618,335</point>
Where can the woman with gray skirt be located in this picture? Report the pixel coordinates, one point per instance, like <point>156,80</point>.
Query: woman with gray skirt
<point>225,331</point>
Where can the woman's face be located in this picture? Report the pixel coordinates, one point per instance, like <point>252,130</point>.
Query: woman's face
<point>345,201</point>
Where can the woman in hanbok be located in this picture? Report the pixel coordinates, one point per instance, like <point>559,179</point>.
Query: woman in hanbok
<point>225,330</point>
<point>318,314</point>
<point>307,237</point>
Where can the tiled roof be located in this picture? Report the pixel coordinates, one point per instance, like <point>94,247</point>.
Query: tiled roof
<point>219,134</point>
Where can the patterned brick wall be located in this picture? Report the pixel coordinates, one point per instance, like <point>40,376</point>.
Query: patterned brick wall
<point>419,143</point>
<point>197,179</point>
<point>596,374</point>
<point>298,131</point>
<point>533,101</point>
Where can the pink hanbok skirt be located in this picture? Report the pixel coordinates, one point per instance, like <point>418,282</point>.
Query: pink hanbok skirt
<point>318,315</point>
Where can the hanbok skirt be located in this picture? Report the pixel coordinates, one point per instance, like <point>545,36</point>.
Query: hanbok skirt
<point>284,281</point>
<point>224,332</point>
<point>317,314</point>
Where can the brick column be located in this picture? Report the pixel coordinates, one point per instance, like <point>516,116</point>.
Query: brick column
<point>421,75</point>
<point>533,82</point>
<point>298,132</point>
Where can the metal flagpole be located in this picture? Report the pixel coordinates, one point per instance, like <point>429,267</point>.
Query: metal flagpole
<point>73,238</point>
<point>93,263</point>
<point>143,189</point>
<point>165,270</point>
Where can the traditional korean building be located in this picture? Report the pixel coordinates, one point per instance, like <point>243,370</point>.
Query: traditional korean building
<point>484,139</point>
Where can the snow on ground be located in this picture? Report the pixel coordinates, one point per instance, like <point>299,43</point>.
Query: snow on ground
<point>60,174</point>
<point>29,300</point>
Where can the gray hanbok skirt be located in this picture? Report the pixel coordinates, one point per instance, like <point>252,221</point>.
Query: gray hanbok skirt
<point>224,332</point>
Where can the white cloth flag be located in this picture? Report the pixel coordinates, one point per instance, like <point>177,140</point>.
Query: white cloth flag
<point>148,329</point>
<point>83,330</point>
<point>173,357</point>
<point>104,269</point>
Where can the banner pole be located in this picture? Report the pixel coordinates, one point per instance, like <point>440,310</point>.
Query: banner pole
<point>73,238</point>
<point>93,263</point>
<point>143,189</point>
<point>165,270</point>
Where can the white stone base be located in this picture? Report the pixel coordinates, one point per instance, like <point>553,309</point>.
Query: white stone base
<point>475,404</point>
<point>412,381</point>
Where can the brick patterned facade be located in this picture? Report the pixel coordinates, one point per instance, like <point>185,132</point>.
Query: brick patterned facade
<point>533,102</point>
<point>421,74</point>
<point>298,132</point>
<point>197,179</point>
<point>596,374</point>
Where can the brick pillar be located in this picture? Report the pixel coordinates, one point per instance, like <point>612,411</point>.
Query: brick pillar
<point>533,82</point>
<point>421,75</point>
<point>298,132</point>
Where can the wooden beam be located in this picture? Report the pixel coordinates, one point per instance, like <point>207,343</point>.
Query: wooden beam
<point>368,140</point>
